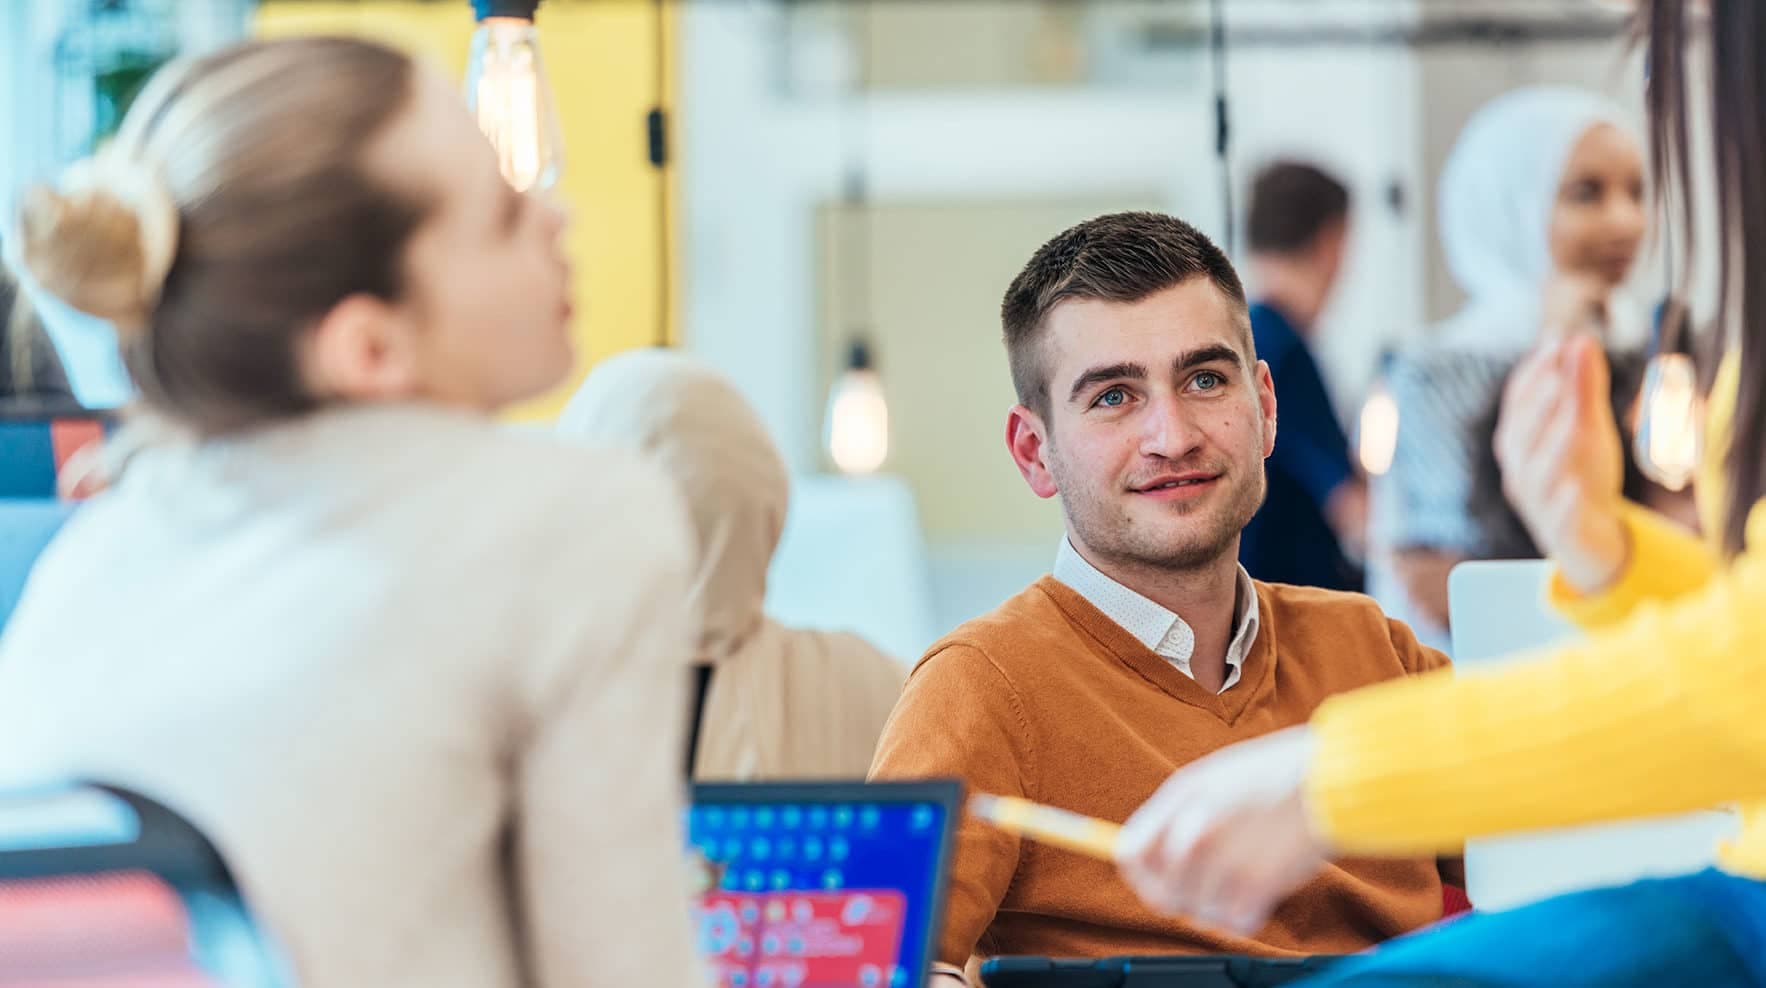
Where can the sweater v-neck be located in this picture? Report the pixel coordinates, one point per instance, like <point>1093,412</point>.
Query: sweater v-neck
<point>1255,677</point>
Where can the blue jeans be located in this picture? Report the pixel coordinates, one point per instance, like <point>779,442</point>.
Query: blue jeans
<point>1707,929</point>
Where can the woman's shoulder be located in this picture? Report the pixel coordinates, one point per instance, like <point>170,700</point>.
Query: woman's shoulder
<point>468,487</point>
<point>558,488</point>
<point>522,466</point>
<point>582,471</point>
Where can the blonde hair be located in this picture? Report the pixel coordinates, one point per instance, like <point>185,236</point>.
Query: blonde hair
<point>231,212</point>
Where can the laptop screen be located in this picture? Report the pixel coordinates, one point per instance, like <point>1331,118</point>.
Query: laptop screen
<point>813,885</point>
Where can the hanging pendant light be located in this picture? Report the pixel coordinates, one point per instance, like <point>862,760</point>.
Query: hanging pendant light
<point>856,426</point>
<point>1377,430</point>
<point>858,415</point>
<point>1670,428</point>
<point>1670,435</point>
<point>507,92</point>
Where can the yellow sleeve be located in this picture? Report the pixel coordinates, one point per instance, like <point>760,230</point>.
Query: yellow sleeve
<point>1660,713</point>
<point>1666,561</point>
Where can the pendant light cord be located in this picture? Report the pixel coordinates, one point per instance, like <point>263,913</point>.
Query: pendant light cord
<point>1222,131</point>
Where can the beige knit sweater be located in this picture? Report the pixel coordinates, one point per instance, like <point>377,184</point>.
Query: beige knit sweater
<point>419,677</point>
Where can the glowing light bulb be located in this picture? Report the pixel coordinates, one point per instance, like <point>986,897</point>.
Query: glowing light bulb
<point>858,416</point>
<point>1378,430</point>
<point>1671,421</point>
<point>507,93</point>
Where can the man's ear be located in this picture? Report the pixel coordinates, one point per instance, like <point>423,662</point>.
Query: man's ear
<point>363,350</point>
<point>1027,441</point>
<point>1266,401</point>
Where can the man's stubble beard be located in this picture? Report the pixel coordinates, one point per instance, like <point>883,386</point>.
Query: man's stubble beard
<point>1106,528</point>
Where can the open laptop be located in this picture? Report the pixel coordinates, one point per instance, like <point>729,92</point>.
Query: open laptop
<point>822,884</point>
<point>1498,609</point>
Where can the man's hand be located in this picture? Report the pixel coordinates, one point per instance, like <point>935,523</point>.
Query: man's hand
<point>1346,511</point>
<point>1424,574</point>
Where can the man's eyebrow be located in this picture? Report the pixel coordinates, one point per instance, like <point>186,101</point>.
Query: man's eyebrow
<point>1105,372</point>
<point>1212,353</point>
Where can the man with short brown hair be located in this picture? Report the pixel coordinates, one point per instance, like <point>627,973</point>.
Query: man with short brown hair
<point>1143,405</point>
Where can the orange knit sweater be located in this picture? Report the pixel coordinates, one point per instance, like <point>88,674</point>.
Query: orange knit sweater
<point>1048,699</point>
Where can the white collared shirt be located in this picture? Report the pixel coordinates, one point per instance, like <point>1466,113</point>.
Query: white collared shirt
<point>1150,623</point>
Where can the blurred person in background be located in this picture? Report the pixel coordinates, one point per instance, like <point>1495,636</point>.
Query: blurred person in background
<point>418,676</point>
<point>1311,529</point>
<point>771,702</point>
<point>1542,218</point>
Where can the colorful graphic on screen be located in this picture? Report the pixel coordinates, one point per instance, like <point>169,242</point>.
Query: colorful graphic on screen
<point>816,896</point>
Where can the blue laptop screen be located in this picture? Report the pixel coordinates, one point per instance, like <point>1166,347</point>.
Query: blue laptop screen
<point>810,894</point>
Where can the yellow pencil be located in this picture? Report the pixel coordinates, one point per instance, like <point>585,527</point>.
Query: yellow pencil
<point>1084,834</point>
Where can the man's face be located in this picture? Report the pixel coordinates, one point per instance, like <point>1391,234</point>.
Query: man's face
<point>1157,428</point>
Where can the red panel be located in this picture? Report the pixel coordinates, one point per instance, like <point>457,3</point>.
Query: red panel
<point>69,436</point>
<point>118,930</point>
<point>802,939</point>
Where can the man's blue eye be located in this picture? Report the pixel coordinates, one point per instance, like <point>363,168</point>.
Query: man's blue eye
<point>1112,398</point>
<point>1208,380</point>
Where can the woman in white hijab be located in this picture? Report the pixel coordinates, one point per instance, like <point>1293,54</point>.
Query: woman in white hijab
<point>781,703</point>
<point>1541,209</point>
<point>1544,185</point>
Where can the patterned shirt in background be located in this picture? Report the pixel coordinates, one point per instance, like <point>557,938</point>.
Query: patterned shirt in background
<point>1444,490</point>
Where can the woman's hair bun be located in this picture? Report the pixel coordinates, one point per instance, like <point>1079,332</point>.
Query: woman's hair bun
<point>102,240</point>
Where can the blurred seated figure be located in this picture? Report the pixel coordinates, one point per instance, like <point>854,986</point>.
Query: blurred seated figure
<point>774,702</point>
<point>1542,217</point>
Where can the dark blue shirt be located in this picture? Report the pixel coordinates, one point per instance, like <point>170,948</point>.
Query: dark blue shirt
<point>1289,541</point>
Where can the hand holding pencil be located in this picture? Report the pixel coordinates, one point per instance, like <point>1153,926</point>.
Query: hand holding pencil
<point>1083,834</point>
<point>1224,840</point>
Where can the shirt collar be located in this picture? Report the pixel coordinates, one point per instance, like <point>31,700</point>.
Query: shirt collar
<point>1151,623</point>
